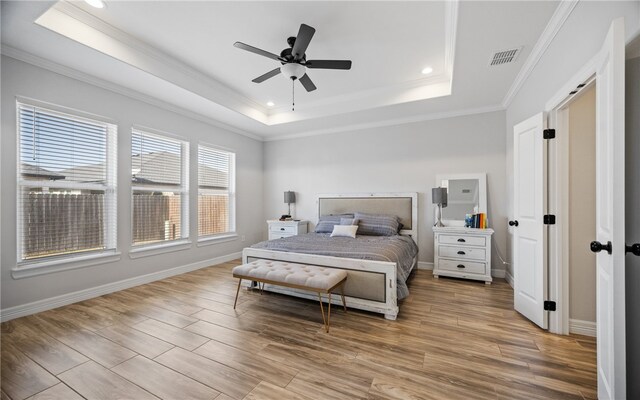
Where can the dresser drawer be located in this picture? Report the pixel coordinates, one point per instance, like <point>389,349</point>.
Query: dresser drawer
<point>282,229</point>
<point>468,253</point>
<point>468,267</point>
<point>462,239</point>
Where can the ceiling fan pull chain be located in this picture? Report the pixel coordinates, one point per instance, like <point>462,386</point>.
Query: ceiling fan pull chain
<point>293,95</point>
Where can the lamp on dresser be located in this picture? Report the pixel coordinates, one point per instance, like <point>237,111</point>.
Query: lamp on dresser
<point>439,197</point>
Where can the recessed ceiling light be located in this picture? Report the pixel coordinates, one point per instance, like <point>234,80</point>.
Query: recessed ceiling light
<point>95,3</point>
<point>427,70</point>
<point>271,103</point>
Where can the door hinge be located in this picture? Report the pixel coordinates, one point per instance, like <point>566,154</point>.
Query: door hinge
<point>549,305</point>
<point>549,134</point>
<point>549,219</point>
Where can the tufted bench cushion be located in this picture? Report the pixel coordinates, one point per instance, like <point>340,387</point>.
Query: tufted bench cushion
<point>308,276</point>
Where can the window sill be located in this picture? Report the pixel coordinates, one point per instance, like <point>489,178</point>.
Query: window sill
<point>209,240</point>
<point>161,248</point>
<point>34,268</point>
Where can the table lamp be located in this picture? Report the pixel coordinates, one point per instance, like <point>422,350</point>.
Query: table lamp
<point>439,197</point>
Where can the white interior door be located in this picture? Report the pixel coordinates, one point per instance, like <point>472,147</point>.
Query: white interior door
<point>529,231</point>
<point>610,263</point>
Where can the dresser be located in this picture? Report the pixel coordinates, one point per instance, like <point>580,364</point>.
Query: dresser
<point>462,253</point>
<point>281,229</point>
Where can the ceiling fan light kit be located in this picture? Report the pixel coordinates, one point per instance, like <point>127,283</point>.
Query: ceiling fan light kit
<point>294,59</point>
<point>293,71</point>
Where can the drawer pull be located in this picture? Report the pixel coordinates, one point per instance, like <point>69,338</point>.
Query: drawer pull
<point>461,240</point>
<point>461,266</point>
<point>281,229</point>
<point>461,253</point>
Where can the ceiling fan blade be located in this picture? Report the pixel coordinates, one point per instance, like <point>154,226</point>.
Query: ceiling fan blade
<point>307,83</point>
<point>329,64</point>
<point>302,41</point>
<point>258,51</point>
<point>266,76</point>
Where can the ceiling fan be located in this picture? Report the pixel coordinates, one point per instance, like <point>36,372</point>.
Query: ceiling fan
<point>294,60</point>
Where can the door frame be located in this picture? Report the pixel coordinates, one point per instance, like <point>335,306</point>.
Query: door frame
<point>558,204</point>
<point>558,194</point>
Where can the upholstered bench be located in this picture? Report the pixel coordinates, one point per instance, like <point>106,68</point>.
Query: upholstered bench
<point>298,276</point>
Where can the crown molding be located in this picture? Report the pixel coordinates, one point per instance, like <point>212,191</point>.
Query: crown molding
<point>451,31</point>
<point>40,62</point>
<point>152,52</point>
<point>389,122</point>
<point>554,25</point>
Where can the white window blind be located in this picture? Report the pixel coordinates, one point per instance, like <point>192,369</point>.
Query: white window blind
<point>66,184</point>
<point>159,178</point>
<point>216,191</point>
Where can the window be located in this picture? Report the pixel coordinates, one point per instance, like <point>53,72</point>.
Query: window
<point>216,191</point>
<point>159,179</point>
<point>66,184</point>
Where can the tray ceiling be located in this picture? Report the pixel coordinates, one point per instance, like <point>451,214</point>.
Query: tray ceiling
<point>182,53</point>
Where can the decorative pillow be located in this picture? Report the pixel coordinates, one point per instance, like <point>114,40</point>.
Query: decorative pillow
<point>377,224</point>
<point>348,221</point>
<point>344,231</point>
<point>327,222</point>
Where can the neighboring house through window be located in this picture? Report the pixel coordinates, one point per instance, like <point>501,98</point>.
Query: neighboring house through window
<point>216,191</point>
<point>159,179</point>
<point>66,184</point>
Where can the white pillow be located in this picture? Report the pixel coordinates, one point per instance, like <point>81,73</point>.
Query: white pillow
<point>344,231</point>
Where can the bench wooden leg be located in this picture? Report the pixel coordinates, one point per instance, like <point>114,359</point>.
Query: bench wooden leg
<point>237,293</point>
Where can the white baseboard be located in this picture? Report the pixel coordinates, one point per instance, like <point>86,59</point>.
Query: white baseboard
<point>62,300</point>
<point>498,273</point>
<point>425,265</point>
<point>580,327</point>
<point>509,278</point>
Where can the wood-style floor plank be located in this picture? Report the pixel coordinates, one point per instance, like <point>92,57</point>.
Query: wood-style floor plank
<point>48,352</point>
<point>93,381</point>
<point>135,340</point>
<point>57,392</point>
<point>181,338</point>
<point>162,381</point>
<point>21,377</point>
<point>215,375</point>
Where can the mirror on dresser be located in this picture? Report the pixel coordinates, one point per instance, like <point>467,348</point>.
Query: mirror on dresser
<point>466,194</point>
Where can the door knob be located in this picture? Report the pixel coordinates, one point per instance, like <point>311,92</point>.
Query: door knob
<point>633,249</point>
<point>597,247</point>
<point>513,223</point>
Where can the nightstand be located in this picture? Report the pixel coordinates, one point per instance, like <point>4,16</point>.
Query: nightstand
<point>462,253</point>
<point>282,229</point>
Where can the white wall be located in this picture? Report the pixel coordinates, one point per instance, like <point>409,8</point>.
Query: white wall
<point>582,197</point>
<point>21,79</point>
<point>576,43</point>
<point>402,158</point>
<point>632,176</point>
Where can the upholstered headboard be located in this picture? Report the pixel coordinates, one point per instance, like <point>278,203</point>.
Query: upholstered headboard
<point>404,205</point>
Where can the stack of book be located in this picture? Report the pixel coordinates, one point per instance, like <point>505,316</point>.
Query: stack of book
<point>478,221</point>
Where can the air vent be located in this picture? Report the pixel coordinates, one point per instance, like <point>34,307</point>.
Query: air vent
<point>505,56</point>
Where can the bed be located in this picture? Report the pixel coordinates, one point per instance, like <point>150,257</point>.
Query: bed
<point>377,266</point>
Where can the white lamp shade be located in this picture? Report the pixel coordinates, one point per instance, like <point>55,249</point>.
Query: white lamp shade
<point>291,70</point>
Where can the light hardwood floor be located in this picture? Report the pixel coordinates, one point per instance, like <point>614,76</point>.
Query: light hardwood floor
<point>180,338</point>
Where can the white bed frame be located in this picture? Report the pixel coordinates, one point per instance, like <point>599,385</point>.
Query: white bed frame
<point>388,307</point>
